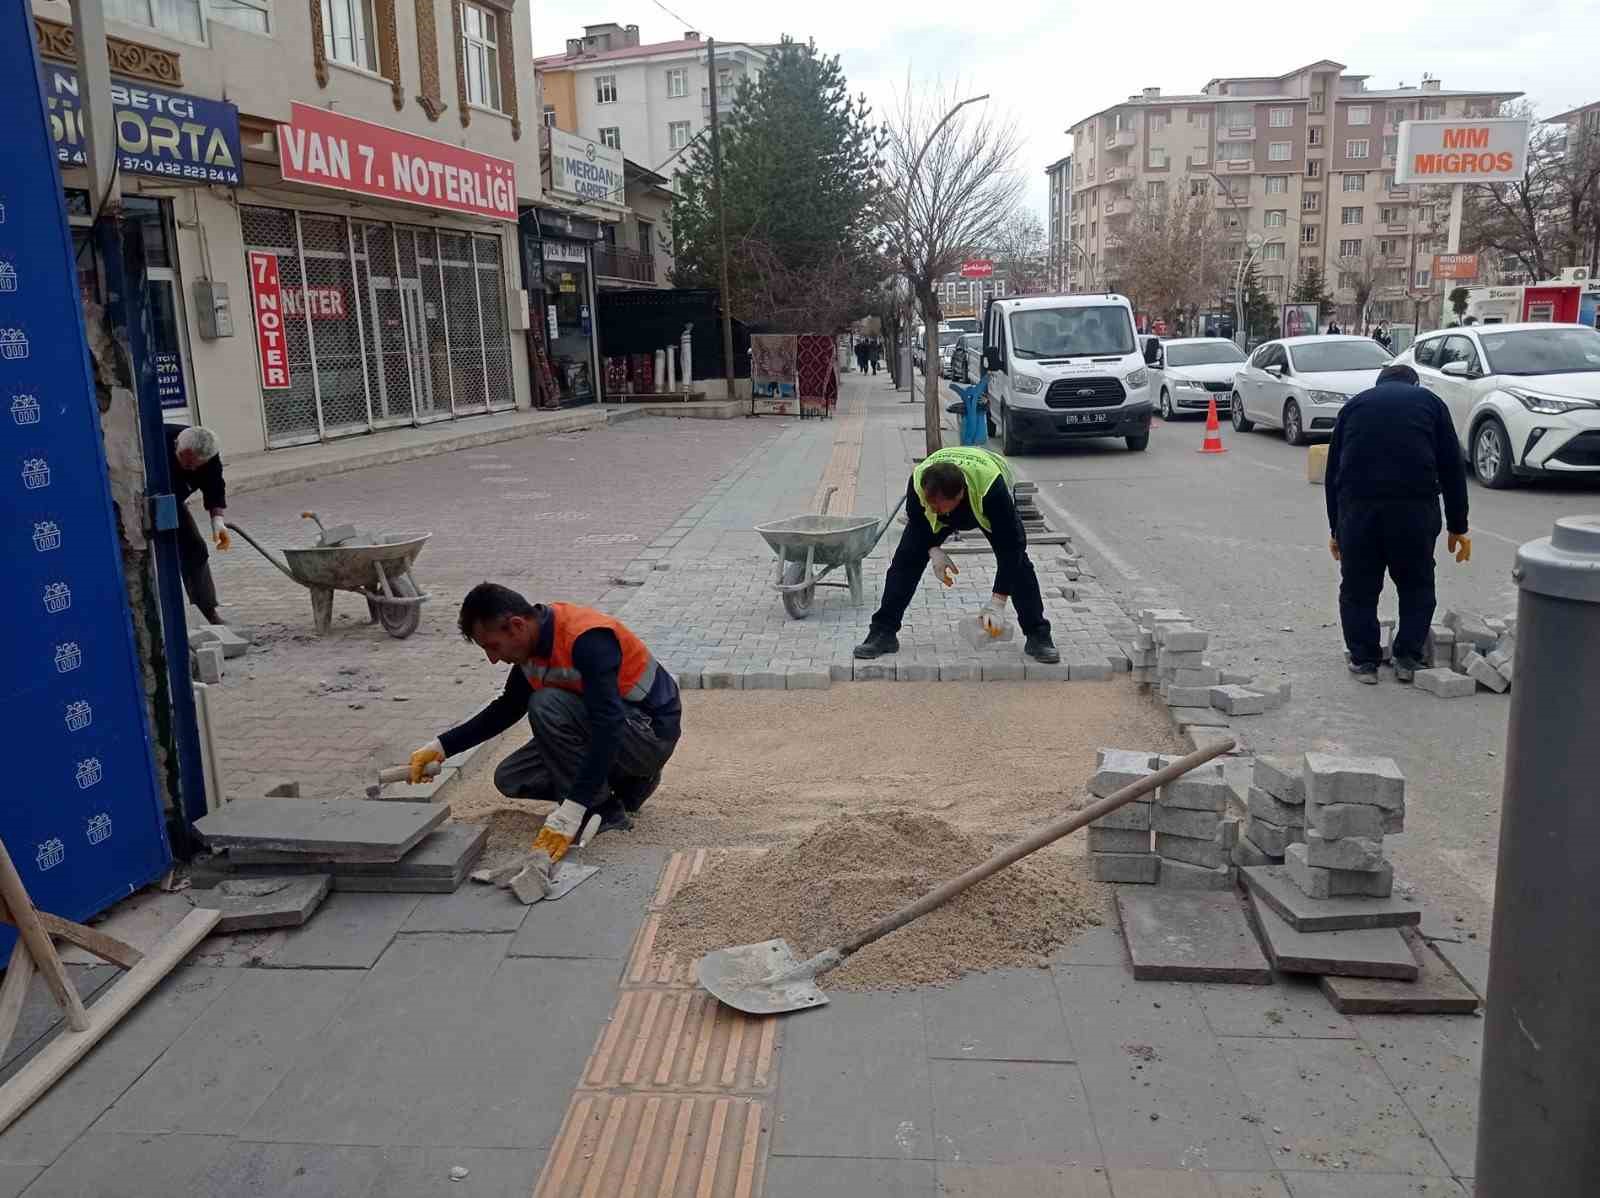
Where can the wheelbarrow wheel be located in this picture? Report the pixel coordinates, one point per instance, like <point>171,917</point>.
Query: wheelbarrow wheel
<point>797,603</point>
<point>400,620</point>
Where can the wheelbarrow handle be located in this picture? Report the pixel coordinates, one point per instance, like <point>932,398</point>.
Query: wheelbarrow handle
<point>884,527</point>
<point>283,567</point>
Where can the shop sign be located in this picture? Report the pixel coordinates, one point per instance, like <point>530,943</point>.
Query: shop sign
<point>977,268</point>
<point>1455,266</point>
<point>585,170</point>
<point>266,296</point>
<point>171,134</point>
<point>169,379</point>
<point>563,251</point>
<point>1462,150</point>
<point>327,149</point>
<point>324,303</point>
<point>568,283</point>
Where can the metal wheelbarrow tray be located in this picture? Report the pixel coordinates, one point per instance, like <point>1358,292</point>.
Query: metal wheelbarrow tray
<point>803,543</point>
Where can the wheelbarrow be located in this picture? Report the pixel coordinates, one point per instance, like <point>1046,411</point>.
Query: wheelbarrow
<point>804,543</point>
<point>376,566</point>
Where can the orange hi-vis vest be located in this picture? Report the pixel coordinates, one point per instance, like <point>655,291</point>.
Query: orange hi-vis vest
<point>569,621</point>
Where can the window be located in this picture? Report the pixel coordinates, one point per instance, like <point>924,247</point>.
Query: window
<point>1425,214</point>
<point>1347,280</point>
<point>1199,187</point>
<point>611,136</point>
<point>1233,151</point>
<point>1319,101</point>
<point>1390,146</point>
<point>1278,151</point>
<point>1389,216</point>
<point>347,33</point>
<point>1387,247</point>
<point>1388,181</point>
<point>1432,110</point>
<point>1350,247</point>
<point>549,116</point>
<point>677,83</point>
<point>1397,113</point>
<point>1352,216</point>
<point>180,18</point>
<point>1425,278</point>
<point>1314,136</point>
<point>1203,119</point>
<point>1158,122</point>
<point>605,89</point>
<point>1156,192</point>
<point>1158,159</point>
<point>1311,201</point>
<point>1357,148</point>
<point>1274,283</point>
<point>480,56</point>
<point>1200,156</point>
<point>677,134</point>
<point>1280,118</point>
<point>1355,181</point>
<point>1427,351</point>
<point>249,15</point>
<point>1276,218</point>
<point>1277,185</point>
<point>724,82</point>
<point>1308,234</point>
<point>1359,114</point>
<point>1272,252</point>
<point>1314,168</point>
<point>1240,116</point>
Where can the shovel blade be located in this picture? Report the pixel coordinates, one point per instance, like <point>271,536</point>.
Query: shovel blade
<point>759,979</point>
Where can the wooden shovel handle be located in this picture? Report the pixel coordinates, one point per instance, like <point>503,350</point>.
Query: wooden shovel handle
<point>1030,844</point>
<point>402,773</point>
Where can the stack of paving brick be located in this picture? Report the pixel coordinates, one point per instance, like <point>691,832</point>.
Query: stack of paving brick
<point>1465,651</point>
<point>1193,840</point>
<point>1351,803</point>
<point>1169,652</point>
<point>1275,812</point>
<point>1119,843</point>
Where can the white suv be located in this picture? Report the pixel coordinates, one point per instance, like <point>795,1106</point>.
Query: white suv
<point>1525,398</point>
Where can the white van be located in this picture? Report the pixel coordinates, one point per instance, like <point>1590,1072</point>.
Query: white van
<point>1063,367</point>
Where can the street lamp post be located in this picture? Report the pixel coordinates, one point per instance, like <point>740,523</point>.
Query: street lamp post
<point>1088,265</point>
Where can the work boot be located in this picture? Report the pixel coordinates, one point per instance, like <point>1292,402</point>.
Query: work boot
<point>613,817</point>
<point>1405,669</point>
<point>632,792</point>
<point>211,615</point>
<point>1041,648</point>
<point>878,643</point>
<point>1365,674</point>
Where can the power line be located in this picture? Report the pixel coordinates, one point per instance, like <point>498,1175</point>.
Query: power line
<point>673,15</point>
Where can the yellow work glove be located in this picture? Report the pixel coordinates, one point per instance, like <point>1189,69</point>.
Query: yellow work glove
<point>430,753</point>
<point>1333,548</point>
<point>219,534</point>
<point>944,566</point>
<point>560,829</point>
<point>993,617</point>
<point>1461,545</point>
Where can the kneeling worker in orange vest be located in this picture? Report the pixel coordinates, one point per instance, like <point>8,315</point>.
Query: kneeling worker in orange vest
<point>605,716</point>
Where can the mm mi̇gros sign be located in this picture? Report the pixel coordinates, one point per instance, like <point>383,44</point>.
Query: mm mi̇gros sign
<point>1462,150</point>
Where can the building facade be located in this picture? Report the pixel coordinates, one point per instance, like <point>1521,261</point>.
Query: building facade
<point>1303,161</point>
<point>327,197</point>
<point>966,297</point>
<point>1058,225</point>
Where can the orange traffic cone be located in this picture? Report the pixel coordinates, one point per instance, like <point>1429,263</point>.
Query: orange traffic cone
<point>1213,441</point>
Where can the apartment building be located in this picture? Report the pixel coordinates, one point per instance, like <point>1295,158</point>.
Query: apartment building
<point>966,297</point>
<point>1305,160</point>
<point>1058,224</point>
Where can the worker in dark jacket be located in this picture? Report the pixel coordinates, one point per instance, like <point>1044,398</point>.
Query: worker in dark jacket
<point>1394,452</point>
<point>195,465</point>
<point>605,715</point>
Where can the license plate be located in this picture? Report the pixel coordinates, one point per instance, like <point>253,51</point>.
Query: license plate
<point>1082,418</point>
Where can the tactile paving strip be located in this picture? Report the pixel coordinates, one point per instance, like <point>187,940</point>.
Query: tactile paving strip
<point>682,1040</point>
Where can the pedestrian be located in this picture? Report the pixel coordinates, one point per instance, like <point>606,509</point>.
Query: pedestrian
<point>605,715</point>
<point>195,465</point>
<point>962,488</point>
<point>1333,328</point>
<point>874,353</point>
<point>1394,452</point>
<point>1382,337</point>
<point>861,355</point>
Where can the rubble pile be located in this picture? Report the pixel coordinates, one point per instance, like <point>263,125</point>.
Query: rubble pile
<point>1465,651</point>
<point>1169,653</point>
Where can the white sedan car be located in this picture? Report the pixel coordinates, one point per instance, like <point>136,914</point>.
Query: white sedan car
<point>1299,384</point>
<point>1525,398</point>
<point>1188,372</point>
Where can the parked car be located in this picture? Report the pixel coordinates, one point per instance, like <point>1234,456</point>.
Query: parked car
<point>1065,367</point>
<point>966,359</point>
<point>1298,384</point>
<point>947,341</point>
<point>1186,373</point>
<point>1524,398</point>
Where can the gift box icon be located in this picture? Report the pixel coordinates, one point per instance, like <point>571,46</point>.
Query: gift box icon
<point>79,716</point>
<point>51,853</point>
<point>46,536</point>
<point>13,343</point>
<point>89,772</point>
<point>99,828</point>
<point>68,657</point>
<point>8,277</point>
<point>57,597</point>
<point>25,410</point>
<point>35,473</point>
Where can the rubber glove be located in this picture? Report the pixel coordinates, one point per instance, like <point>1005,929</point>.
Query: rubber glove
<point>1333,548</point>
<point>561,828</point>
<point>944,566</point>
<point>431,752</point>
<point>219,533</point>
<point>993,617</point>
<point>1461,545</point>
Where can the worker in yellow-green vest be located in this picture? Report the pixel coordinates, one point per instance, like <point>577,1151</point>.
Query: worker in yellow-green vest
<point>963,488</point>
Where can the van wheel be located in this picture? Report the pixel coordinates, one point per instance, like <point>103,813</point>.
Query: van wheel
<point>1009,444</point>
<point>1241,422</point>
<point>1140,443</point>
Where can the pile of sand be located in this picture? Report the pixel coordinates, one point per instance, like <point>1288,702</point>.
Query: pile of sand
<point>858,868</point>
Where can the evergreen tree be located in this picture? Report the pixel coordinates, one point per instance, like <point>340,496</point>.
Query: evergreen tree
<point>1313,289</point>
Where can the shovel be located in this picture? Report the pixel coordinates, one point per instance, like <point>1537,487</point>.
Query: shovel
<point>766,978</point>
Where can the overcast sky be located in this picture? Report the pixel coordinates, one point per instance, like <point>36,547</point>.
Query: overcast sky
<point>1048,63</point>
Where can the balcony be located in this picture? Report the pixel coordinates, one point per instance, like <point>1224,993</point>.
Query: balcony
<point>1122,139</point>
<point>1399,192</point>
<point>1228,200</point>
<point>1117,174</point>
<point>631,266</point>
<point>1396,226</point>
<point>724,100</point>
<point>1237,164</point>
<point>1236,132</point>
<point>1120,206</point>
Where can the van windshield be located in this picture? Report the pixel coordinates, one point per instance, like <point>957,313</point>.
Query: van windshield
<point>1098,331</point>
<point>948,337</point>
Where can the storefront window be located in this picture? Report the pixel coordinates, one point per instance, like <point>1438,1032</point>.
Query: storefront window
<point>569,320</point>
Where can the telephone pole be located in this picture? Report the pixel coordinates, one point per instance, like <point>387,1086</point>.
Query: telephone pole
<point>722,219</point>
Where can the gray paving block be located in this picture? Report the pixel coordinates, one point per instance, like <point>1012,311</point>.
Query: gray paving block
<point>1336,779</point>
<point>1134,816</point>
<point>843,1177</point>
<point>1197,717</point>
<point>251,903</point>
<point>1434,1061</point>
<point>1142,868</point>
<point>1191,1183</point>
<point>1470,959</point>
<point>916,671</point>
<point>1446,684</point>
<point>964,1180</point>
<point>207,663</point>
<point>233,645</point>
<point>721,678</point>
<point>438,865</point>
<point>1247,853</point>
<point>1198,790</point>
<point>1274,839</point>
<point>1262,805</point>
<point>1183,638</point>
<point>1238,700</point>
<point>1001,1015</point>
<point>1209,853</point>
<point>1188,696</point>
<point>41,1017</point>
<point>255,1170</point>
<point>1292,1006</point>
<point>349,828</point>
<point>1038,671</point>
<point>878,670</point>
<point>1178,937</point>
<point>1275,887</point>
<point>1484,674</point>
<point>1375,1185</point>
<point>1351,1118</point>
<point>843,670</point>
<point>15,1178</point>
<point>1116,768</point>
<point>1012,1112</point>
<point>121,1165</point>
<point>1471,628</point>
<point>1004,671</point>
<point>1171,659</point>
<point>351,931</point>
<point>232,1058</point>
<point>1347,852</point>
<point>1338,820</point>
<point>1438,990</point>
<point>1118,840</point>
<point>471,907</point>
<point>960,672</point>
<point>1336,883</point>
<point>1181,875</point>
<point>1207,676</point>
<point>800,679</point>
<point>1358,952</point>
<point>604,922</point>
<point>855,1080</point>
<point>1282,777</point>
<point>765,680</point>
<point>1089,669</point>
<point>1180,821</point>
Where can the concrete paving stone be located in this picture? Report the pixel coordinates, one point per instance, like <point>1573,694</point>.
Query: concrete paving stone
<point>1188,696</point>
<point>1198,790</point>
<point>855,1080</point>
<point>1238,700</point>
<point>1197,717</point>
<point>1118,840</point>
<point>253,1170</point>
<point>1236,678</point>
<point>1181,875</point>
<point>233,645</point>
<point>447,1042</point>
<point>1470,959</point>
<point>1248,853</point>
<point>1185,1183</point>
<point>1471,628</point>
<point>1143,868</point>
<point>806,678</point>
<point>721,678</point>
<point>880,670</point>
<point>765,680</point>
<point>1374,780</point>
<point>1274,839</point>
<point>1116,768</point>
<point>1198,738</point>
<point>1207,853</point>
<point>1337,1110</point>
<point>1446,684</point>
<point>1155,1075</point>
<point>1022,1181</point>
<point>1262,805</point>
<point>122,1165</point>
<point>349,828</point>
<point>1001,1015</point>
<point>1374,1185</point>
<point>1174,937</point>
<point>15,1178</point>
<point>41,1016</point>
<point>1011,1112</point>
<point>960,672</point>
<point>1101,945</point>
<point>1316,882</point>
<point>1348,852</point>
<point>248,904</point>
<point>1207,676</point>
<point>916,671</point>
<point>207,664</point>
<point>1184,639</point>
<point>1357,952</point>
<point>213,1079</point>
<point>1293,1006</point>
<point>603,923</point>
<point>1038,671</point>
<point>1335,821</point>
<point>1004,671</point>
<point>842,1177</point>
<point>1434,1061</point>
<point>471,907</point>
<point>1277,888</point>
<point>1168,659</point>
<point>1179,821</point>
<point>69,1107</point>
<point>1089,669</point>
<point>1438,990</point>
<point>1459,653</point>
<point>1282,777</point>
<point>1484,674</point>
<point>351,931</point>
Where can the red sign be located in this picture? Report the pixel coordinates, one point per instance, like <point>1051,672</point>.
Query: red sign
<point>266,295</point>
<point>1455,266</point>
<point>977,268</point>
<point>324,303</point>
<point>326,149</point>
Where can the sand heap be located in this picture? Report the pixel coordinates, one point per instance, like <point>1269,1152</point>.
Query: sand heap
<point>859,868</point>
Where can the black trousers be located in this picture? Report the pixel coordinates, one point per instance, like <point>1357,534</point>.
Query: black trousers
<point>1397,537</point>
<point>194,561</point>
<point>545,767</point>
<point>1014,576</point>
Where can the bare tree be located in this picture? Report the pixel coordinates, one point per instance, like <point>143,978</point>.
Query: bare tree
<point>954,188</point>
<point>1174,256</point>
<point>819,296</point>
<point>1359,276</point>
<point>1022,255</point>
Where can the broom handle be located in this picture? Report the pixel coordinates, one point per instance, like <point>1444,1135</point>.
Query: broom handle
<point>1046,835</point>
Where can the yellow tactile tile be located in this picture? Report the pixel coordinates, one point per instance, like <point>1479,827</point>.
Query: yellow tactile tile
<point>682,1040</point>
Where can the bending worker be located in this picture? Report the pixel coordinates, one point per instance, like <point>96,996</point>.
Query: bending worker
<point>605,716</point>
<point>962,488</point>
<point>195,465</point>
<point>1394,451</point>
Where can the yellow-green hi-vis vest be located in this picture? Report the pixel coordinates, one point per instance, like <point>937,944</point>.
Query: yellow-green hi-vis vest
<point>978,467</point>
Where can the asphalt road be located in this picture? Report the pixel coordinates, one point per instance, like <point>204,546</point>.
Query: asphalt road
<point>1239,541</point>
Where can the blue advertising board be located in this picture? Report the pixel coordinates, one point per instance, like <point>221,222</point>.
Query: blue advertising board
<point>170,134</point>
<point>169,379</point>
<point>82,818</point>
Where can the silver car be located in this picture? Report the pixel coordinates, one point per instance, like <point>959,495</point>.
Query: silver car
<point>1299,384</point>
<point>1189,372</point>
